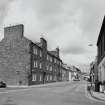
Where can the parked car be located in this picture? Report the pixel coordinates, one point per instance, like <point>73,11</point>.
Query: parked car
<point>2,84</point>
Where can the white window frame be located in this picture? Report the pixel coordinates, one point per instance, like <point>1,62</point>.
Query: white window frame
<point>40,65</point>
<point>50,68</point>
<point>50,77</point>
<point>40,53</point>
<point>34,77</point>
<point>35,64</point>
<point>40,78</point>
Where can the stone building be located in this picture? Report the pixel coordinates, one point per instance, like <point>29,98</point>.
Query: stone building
<point>66,73</point>
<point>101,53</point>
<point>23,62</point>
<point>94,71</point>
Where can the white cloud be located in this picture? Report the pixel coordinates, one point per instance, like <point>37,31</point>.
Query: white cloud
<point>69,24</point>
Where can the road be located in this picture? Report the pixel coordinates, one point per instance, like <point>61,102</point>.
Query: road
<point>68,93</point>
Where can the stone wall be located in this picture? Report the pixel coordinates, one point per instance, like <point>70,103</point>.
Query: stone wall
<point>14,57</point>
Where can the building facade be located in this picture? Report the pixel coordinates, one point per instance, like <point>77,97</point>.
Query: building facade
<point>75,72</point>
<point>66,73</point>
<point>94,71</point>
<point>101,53</point>
<point>23,62</point>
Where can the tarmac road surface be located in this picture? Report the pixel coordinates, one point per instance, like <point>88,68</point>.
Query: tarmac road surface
<point>65,93</point>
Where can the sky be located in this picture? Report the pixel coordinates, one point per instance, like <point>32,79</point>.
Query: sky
<point>70,25</point>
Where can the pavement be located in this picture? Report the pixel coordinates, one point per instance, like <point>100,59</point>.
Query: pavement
<point>60,93</point>
<point>98,96</point>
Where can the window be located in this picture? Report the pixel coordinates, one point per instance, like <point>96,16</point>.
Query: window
<point>35,64</point>
<point>40,78</point>
<point>47,57</point>
<point>54,60</point>
<point>50,59</point>
<point>34,77</point>
<point>50,68</point>
<point>50,77</point>
<point>35,51</point>
<point>40,65</point>
<point>40,53</point>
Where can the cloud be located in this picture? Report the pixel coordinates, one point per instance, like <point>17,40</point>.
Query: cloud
<point>4,4</point>
<point>69,24</point>
<point>74,50</point>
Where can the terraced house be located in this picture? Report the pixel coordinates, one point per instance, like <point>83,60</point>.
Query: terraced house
<point>23,62</point>
<point>101,53</point>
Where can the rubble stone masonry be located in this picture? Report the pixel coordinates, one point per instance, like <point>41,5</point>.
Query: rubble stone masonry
<point>15,56</point>
<point>23,62</point>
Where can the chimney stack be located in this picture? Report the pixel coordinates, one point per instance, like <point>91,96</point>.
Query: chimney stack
<point>14,32</point>
<point>43,42</point>
<point>57,50</point>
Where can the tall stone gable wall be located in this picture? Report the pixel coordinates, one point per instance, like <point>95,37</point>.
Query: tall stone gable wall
<point>15,58</point>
